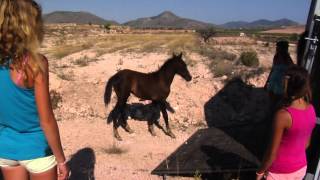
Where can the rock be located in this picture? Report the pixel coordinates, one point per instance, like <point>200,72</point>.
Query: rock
<point>224,77</point>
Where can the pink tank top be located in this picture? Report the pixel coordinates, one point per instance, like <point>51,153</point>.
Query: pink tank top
<point>291,154</point>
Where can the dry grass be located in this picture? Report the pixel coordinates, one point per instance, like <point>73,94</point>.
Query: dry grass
<point>67,76</point>
<point>220,61</point>
<point>65,50</point>
<point>146,43</point>
<point>140,43</point>
<point>84,61</point>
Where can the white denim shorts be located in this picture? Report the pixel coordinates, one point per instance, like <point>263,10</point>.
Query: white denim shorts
<point>297,175</point>
<point>38,165</point>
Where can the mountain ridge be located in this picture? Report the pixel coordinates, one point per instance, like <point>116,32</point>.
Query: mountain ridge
<point>169,20</point>
<point>78,17</point>
<point>164,20</point>
<point>260,23</point>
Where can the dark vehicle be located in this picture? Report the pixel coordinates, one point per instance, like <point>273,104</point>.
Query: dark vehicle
<point>311,61</point>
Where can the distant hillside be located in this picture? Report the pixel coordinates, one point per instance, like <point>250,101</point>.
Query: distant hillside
<point>262,23</point>
<point>167,20</point>
<point>287,30</point>
<point>74,17</point>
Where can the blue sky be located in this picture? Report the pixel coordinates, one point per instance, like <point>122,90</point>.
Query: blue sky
<point>213,11</point>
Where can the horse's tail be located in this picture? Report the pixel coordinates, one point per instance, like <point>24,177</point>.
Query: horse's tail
<point>108,90</point>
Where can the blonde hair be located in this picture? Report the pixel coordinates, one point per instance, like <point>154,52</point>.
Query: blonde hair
<point>21,32</point>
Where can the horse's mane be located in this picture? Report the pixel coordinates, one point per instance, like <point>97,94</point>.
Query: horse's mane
<point>165,65</point>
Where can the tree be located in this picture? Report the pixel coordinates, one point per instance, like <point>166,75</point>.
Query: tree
<point>207,33</point>
<point>107,26</point>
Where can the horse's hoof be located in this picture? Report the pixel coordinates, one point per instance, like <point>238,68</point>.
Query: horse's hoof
<point>118,137</point>
<point>171,135</point>
<point>152,132</point>
<point>130,131</point>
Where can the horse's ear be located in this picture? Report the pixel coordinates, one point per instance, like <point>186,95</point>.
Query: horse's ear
<point>180,55</point>
<point>174,54</point>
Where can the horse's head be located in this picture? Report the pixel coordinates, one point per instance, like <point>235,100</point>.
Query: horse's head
<point>180,67</point>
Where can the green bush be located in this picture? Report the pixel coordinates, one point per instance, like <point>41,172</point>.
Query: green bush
<point>249,58</point>
<point>207,33</point>
<point>107,26</point>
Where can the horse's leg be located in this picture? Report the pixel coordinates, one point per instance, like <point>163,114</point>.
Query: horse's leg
<point>123,104</point>
<point>151,121</point>
<point>116,123</point>
<point>125,122</point>
<point>150,127</point>
<point>166,119</point>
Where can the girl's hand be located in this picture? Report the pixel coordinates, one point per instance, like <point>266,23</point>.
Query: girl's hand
<point>260,176</point>
<point>63,171</point>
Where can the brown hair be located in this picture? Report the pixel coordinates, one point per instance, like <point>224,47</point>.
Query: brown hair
<point>297,85</point>
<point>21,32</point>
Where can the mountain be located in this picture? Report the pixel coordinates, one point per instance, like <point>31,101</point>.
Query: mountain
<point>167,20</point>
<point>74,17</point>
<point>262,23</point>
<point>234,24</point>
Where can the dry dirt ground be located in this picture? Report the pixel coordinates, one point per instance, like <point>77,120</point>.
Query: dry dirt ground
<point>81,114</point>
<point>288,30</point>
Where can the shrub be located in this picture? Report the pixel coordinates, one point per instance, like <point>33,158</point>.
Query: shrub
<point>107,26</point>
<point>82,61</point>
<point>249,58</point>
<point>56,99</point>
<point>226,55</point>
<point>221,68</point>
<point>65,76</point>
<point>207,33</point>
<point>213,53</point>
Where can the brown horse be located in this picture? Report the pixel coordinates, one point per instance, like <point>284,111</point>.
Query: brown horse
<point>154,86</point>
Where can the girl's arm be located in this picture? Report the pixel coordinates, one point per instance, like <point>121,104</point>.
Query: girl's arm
<point>47,119</point>
<point>308,143</point>
<point>281,122</point>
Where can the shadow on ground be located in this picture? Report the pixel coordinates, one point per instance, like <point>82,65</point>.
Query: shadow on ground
<point>243,112</point>
<point>82,165</point>
<point>239,118</point>
<point>142,112</point>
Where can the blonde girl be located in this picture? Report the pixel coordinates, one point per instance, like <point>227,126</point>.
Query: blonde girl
<point>30,146</point>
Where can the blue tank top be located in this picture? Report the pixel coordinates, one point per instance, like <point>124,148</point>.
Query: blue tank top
<point>275,84</point>
<point>21,137</point>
